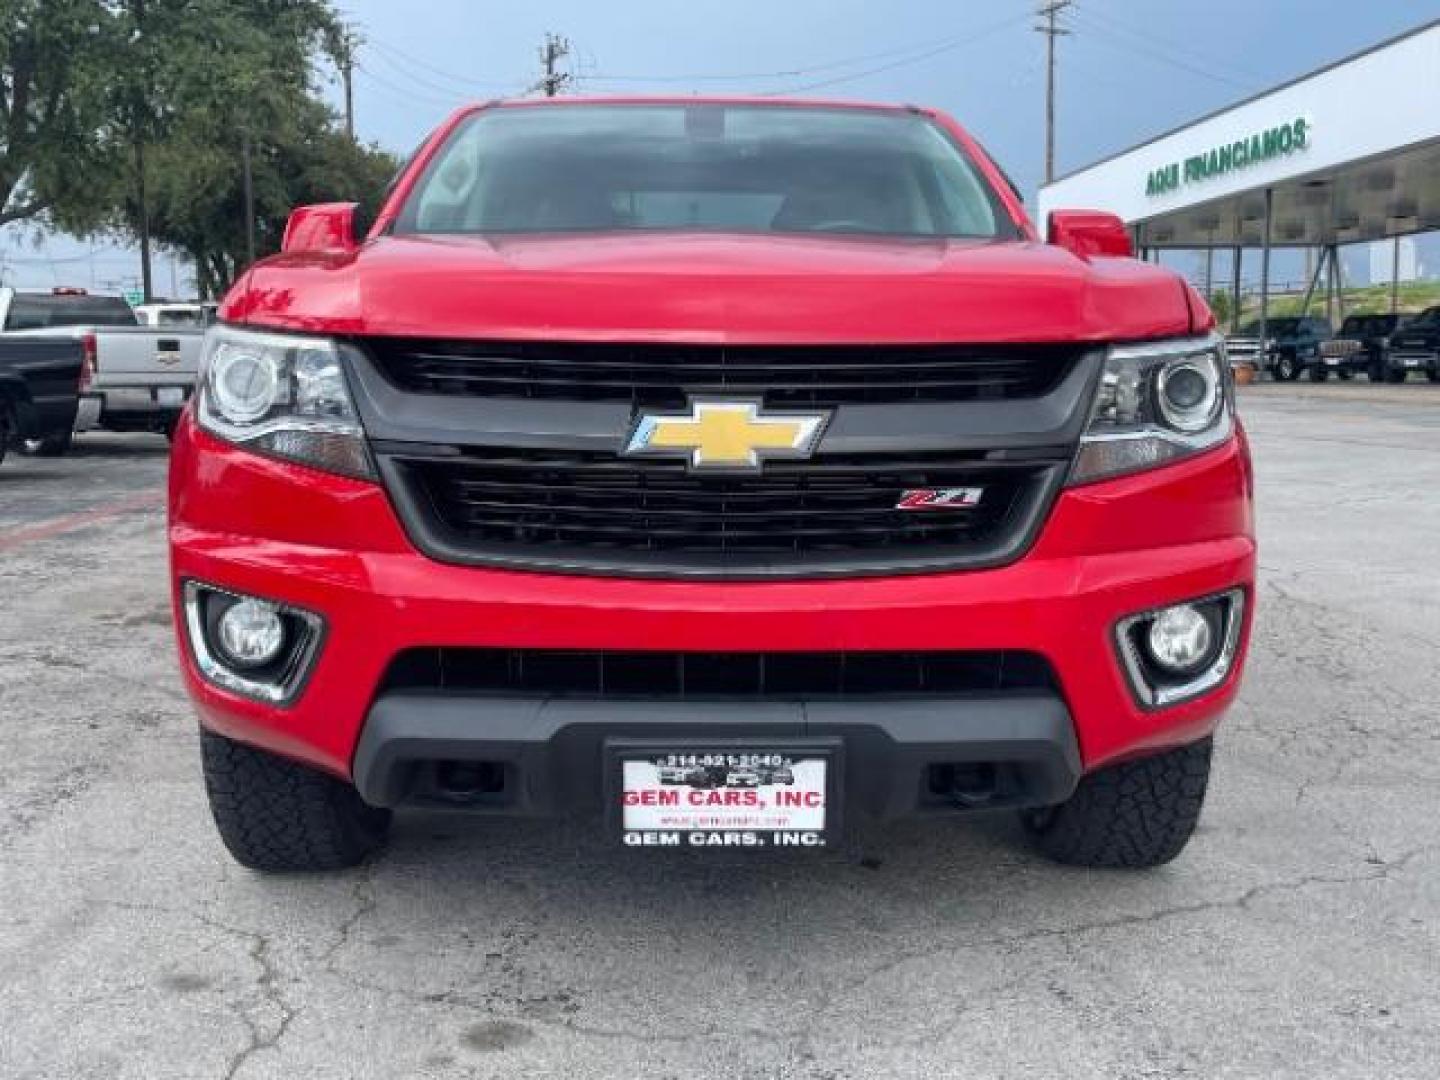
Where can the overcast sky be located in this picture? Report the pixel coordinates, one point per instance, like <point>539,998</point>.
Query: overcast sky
<point>1128,70</point>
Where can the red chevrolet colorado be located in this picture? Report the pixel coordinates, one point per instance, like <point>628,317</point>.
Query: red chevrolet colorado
<point>728,470</point>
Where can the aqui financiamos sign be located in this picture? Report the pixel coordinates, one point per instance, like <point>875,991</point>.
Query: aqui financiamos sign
<point>1279,141</point>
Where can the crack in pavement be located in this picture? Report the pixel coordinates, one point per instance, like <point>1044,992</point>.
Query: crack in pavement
<point>496,1002</point>
<point>259,950</point>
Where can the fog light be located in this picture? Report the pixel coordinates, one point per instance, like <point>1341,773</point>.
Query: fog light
<point>1180,639</point>
<point>251,634</point>
<point>258,648</point>
<point>1176,653</point>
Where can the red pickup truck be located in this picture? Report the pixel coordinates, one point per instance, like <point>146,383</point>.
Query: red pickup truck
<point>727,470</point>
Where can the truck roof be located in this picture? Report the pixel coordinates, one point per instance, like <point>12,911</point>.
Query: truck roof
<point>693,99</point>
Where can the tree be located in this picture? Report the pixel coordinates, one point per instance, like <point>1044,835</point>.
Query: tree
<point>55,60</point>
<point>198,201</point>
<point>211,79</point>
<point>1221,306</point>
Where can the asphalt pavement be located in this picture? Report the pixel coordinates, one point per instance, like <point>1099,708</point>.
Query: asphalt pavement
<point>1299,936</point>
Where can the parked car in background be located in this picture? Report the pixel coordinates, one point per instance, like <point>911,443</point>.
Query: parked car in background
<point>1415,346</point>
<point>40,385</point>
<point>1362,345</point>
<point>141,377</point>
<point>1292,345</point>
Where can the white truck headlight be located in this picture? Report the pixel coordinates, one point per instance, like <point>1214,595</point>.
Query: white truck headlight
<point>1156,402</point>
<point>283,395</point>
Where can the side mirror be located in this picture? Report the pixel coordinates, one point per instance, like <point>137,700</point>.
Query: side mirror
<point>1088,232</point>
<point>325,227</point>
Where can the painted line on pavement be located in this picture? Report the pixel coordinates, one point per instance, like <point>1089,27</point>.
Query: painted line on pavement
<point>29,534</point>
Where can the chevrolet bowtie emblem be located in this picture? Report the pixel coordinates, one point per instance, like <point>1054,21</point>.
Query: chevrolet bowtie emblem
<point>726,434</point>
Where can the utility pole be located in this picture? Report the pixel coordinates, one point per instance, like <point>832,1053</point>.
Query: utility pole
<point>139,116</point>
<point>1050,10</point>
<point>553,81</point>
<point>249,179</point>
<point>346,45</point>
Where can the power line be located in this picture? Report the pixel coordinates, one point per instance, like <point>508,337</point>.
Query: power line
<point>404,94</point>
<point>412,62</point>
<point>1114,41</point>
<point>397,70</point>
<point>1090,15</point>
<point>1050,12</point>
<point>949,45</point>
<point>927,47</point>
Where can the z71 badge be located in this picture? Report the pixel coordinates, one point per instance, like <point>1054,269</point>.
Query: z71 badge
<point>940,498</point>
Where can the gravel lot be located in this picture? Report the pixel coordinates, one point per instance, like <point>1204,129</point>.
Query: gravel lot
<point>1298,937</point>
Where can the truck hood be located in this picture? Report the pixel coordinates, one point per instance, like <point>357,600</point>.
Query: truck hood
<point>717,288</point>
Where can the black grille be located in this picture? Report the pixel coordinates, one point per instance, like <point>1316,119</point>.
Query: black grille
<point>583,505</point>
<point>664,375</point>
<point>777,675</point>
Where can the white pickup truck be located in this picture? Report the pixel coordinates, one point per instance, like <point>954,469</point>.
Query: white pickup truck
<point>139,378</point>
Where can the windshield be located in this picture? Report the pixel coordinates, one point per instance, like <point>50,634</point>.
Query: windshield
<point>44,311</point>
<point>750,168</point>
<point>1273,327</point>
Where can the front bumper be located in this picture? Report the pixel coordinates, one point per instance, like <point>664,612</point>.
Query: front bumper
<point>335,547</point>
<point>546,755</point>
<point>1414,360</point>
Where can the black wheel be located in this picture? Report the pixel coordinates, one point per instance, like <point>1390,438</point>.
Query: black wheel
<point>1377,372</point>
<point>1318,374</point>
<point>1433,375</point>
<point>1346,374</point>
<point>275,815</point>
<point>7,430</point>
<point>50,445</point>
<point>1396,375</point>
<point>1287,368</point>
<point>1133,815</point>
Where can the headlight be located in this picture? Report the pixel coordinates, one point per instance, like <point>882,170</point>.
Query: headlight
<point>282,395</point>
<point>1156,402</point>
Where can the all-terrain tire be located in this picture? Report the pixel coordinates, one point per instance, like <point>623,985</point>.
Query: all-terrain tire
<point>1287,369</point>
<point>276,815</point>
<point>1133,815</point>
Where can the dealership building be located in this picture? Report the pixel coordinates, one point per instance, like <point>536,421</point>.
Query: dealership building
<point>1346,154</point>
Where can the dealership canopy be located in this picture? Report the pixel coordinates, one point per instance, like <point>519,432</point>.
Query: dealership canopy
<point>1347,153</point>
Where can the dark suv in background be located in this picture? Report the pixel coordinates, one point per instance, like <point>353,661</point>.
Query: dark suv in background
<point>1362,345</point>
<point>1415,346</point>
<point>1292,344</point>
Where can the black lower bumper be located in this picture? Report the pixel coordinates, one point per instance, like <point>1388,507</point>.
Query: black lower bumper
<point>546,756</point>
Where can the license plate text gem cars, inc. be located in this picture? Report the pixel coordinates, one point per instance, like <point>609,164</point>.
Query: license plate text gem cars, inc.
<point>729,799</point>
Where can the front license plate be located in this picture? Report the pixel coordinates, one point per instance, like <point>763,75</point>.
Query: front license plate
<point>726,797</point>
<point>1333,361</point>
<point>170,396</point>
